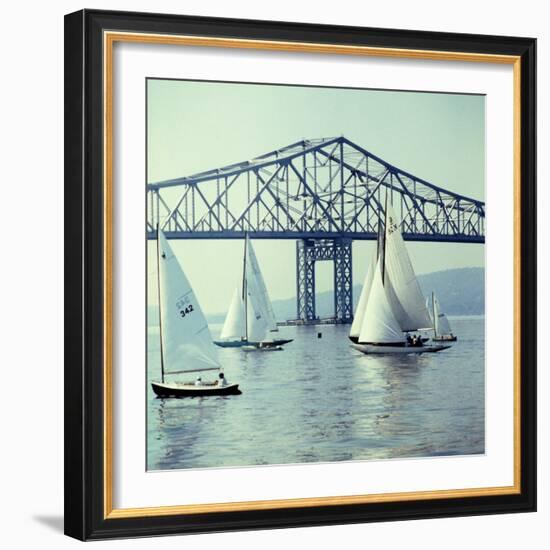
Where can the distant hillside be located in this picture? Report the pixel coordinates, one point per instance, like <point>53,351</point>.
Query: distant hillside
<point>459,291</point>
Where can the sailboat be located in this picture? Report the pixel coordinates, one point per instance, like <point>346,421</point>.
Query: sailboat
<point>441,325</point>
<point>393,304</point>
<point>185,342</point>
<point>250,316</point>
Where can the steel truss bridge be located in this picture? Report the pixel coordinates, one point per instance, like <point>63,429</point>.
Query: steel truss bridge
<point>323,193</point>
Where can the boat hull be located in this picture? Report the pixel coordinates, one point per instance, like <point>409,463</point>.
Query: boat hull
<point>369,349</point>
<point>355,339</point>
<point>263,348</point>
<point>230,344</point>
<point>190,390</point>
<point>242,343</point>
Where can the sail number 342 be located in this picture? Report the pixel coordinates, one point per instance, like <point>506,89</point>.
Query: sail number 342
<point>184,306</point>
<point>186,311</point>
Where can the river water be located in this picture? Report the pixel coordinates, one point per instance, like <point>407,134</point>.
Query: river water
<point>321,401</point>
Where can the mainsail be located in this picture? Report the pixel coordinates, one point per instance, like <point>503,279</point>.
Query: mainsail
<point>379,323</point>
<point>404,294</point>
<point>253,271</point>
<point>186,343</point>
<point>363,299</point>
<point>441,323</point>
<point>235,322</point>
<point>256,315</point>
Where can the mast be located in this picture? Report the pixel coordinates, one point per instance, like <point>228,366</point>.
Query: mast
<point>245,290</point>
<point>433,314</point>
<point>160,313</point>
<point>378,238</point>
<point>383,265</point>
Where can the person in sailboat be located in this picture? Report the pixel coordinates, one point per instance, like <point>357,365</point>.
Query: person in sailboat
<point>222,380</point>
<point>198,381</point>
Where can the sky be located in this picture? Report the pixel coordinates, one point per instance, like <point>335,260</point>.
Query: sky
<point>197,126</point>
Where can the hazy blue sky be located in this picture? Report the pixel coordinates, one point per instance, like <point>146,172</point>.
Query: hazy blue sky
<point>196,126</point>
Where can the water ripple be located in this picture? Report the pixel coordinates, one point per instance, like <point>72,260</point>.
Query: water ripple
<point>322,401</point>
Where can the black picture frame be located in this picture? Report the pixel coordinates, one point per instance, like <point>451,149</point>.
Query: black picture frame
<point>85,517</point>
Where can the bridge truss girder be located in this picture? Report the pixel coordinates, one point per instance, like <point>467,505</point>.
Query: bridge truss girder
<point>325,188</point>
<point>310,251</point>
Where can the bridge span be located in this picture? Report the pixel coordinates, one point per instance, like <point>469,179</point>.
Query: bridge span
<point>323,193</point>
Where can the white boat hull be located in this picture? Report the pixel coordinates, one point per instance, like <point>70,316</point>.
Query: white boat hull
<point>444,338</point>
<point>369,349</point>
<point>262,348</point>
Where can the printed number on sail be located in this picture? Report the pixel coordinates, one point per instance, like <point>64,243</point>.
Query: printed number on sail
<point>188,309</point>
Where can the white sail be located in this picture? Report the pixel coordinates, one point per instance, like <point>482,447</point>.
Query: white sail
<point>363,299</point>
<point>379,323</point>
<point>234,327</point>
<point>185,338</point>
<point>256,320</point>
<point>441,323</point>
<point>253,270</point>
<point>407,300</point>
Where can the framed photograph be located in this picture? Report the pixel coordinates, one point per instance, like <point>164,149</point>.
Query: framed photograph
<point>300,274</point>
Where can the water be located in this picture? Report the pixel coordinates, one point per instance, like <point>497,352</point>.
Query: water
<point>321,401</point>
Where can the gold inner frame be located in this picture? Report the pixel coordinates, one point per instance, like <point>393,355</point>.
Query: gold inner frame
<point>109,39</point>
